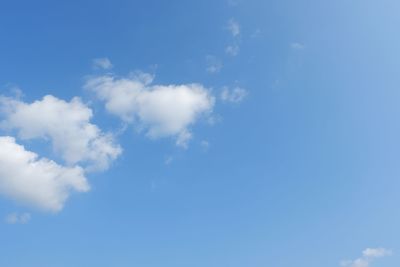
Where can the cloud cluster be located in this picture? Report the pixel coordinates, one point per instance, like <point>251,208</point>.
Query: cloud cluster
<point>368,255</point>
<point>39,182</point>
<point>162,110</point>
<point>81,146</point>
<point>66,124</point>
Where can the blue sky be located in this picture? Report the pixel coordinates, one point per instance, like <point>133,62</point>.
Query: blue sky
<point>199,133</point>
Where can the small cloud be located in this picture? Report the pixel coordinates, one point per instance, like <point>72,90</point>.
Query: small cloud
<point>183,139</point>
<point>214,119</point>
<point>297,46</point>
<point>234,95</point>
<point>256,34</point>
<point>376,252</point>
<point>205,145</point>
<point>232,50</point>
<point>13,90</point>
<point>168,160</point>
<point>214,65</point>
<point>234,27</point>
<point>368,255</point>
<point>18,218</point>
<point>102,63</point>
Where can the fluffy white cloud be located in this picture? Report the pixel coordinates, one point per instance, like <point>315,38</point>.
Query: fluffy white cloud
<point>66,124</point>
<point>368,255</point>
<point>39,182</point>
<point>162,110</point>
<point>102,63</point>
<point>18,218</point>
<point>234,95</point>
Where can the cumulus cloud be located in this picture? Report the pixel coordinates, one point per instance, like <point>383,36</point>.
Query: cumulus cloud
<point>38,182</point>
<point>234,95</point>
<point>162,110</point>
<point>368,255</point>
<point>102,63</point>
<point>66,124</point>
<point>18,218</point>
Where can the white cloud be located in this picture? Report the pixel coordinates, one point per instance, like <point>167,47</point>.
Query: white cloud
<point>234,27</point>
<point>376,252</point>
<point>214,65</point>
<point>234,95</point>
<point>66,124</point>
<point>39,182</point>
<point>368,255</point>
<point>232,50</point>
<point>162,110</point>
<point>102,63</point>
<point>18,218</point>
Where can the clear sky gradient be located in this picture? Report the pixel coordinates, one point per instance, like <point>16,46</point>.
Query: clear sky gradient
<point>293,162</point>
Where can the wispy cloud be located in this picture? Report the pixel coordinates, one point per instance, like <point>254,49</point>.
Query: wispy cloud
<point>368,256</point>
<point>297,46</point>
<point>232,50</point>
<point>168,160</point>
<point>234,95</point>
<point>256,34</point>
<point>234,27</point>
<point>214,65</point>
<point>102,63</point>
<point>18,218</point>
<point>205,145</point>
